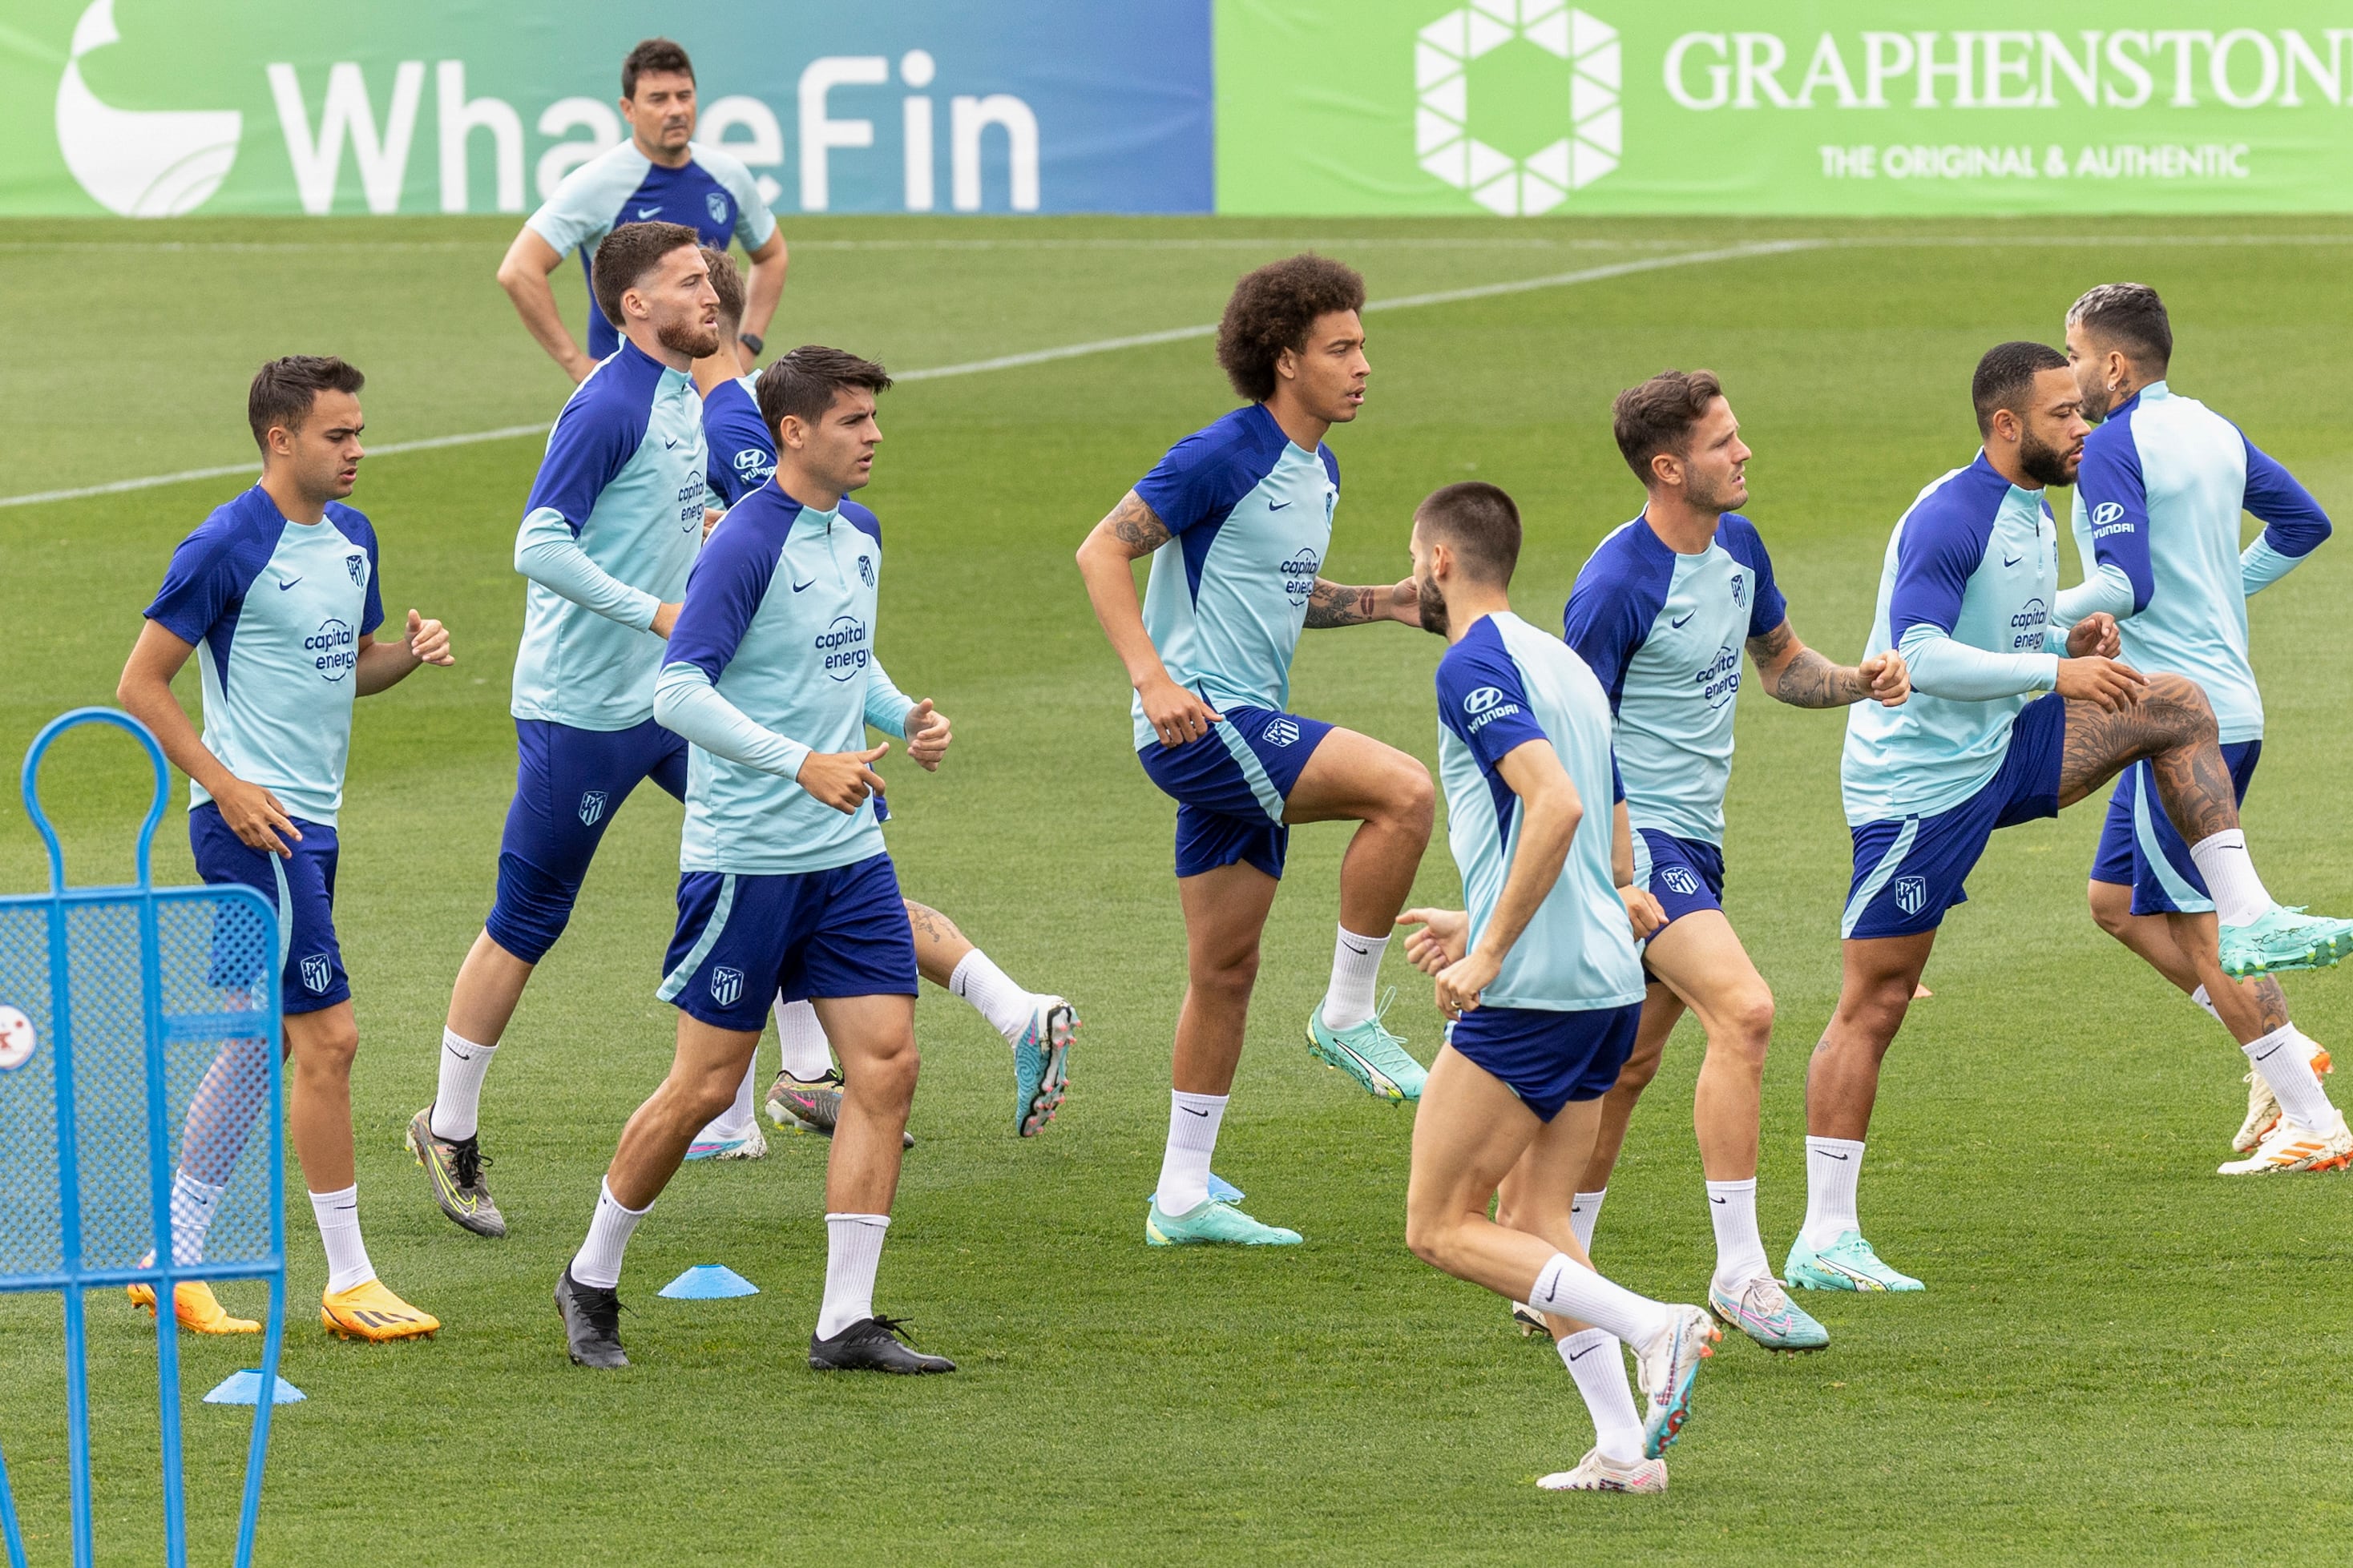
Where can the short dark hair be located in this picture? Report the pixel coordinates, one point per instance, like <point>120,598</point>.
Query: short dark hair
<point>658,56</point>
<point>2131,316</point>
<point>727,282</point>
<point>1658,416</point>
<point>284,389</point>
<point>802,383</point>
<point>2006,375</point>
<point>1481,524</point>
<point>1273,309</point>
<point>628,253</point>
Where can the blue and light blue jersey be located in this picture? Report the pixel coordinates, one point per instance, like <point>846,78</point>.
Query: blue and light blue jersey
<point>2157,524</point>
<point>742,453</point>
<point>772,658</point>
<point>1662,633</point>
<point>276,610</point>
<point>1965,594</point>
<point>607,537</point>
<point>1503,685</point>
<point>1249,516</point>
<point>712,193</point>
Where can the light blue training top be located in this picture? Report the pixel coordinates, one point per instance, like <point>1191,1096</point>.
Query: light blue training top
<point>611,530</point>
<point>772,658</point>
<point>2157,524</point>
<point>1965,594</point>
<point>276,610</point>
<point>712,194</point>
<point>1250,516</point>
<point>1662,633</point>
<point>1502,686</point>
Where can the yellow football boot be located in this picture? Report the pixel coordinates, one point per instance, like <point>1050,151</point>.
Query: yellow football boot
<point>369,1311</point>
<point>198,1309</point>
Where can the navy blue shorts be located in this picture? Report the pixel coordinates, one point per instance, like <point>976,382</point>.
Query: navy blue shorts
<point>1231,785</point>
<point>1685,875</point>
<point>1548,1058</point>
<point>1908,872</point>
<point>568,784</point>
<point>300,888</point>
<point>745,940</point>
<point>2141,849</point>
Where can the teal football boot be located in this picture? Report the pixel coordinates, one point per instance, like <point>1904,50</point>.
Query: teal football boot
<point>1846,1264</point>
<point>1368,1053</point>
<point>2282,939</point>
<point>1041,1065</point>
<point>1763,1311</point>
<point>1211,1224</point>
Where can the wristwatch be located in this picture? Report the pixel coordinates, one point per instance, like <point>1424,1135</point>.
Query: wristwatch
<point>751,341</point>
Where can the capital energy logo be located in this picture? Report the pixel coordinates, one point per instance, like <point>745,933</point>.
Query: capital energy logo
<point>844,646</point>
<point>333,648</point>
<point>1299,575</point>
<point>138,163</point>
<point>1481,77</point>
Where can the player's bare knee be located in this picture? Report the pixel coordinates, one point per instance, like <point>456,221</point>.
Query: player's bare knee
<point>1414,799</point>
<point>1747,1028</point>
<point>1636,1075</point>
<point>2111,907</point>
<point>1228,977</point>
<point>2189,716</point>
<point>331,1049</point>
<point>1430,1237</point>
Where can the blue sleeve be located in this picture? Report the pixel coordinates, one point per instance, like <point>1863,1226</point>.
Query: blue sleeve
<point>1934,562</point>
<point>1617,779</point>
<point>594,439</point>
<point>743,456</point>
<point>1767,608</point>
<point>1610,614</point>
<point>2294,524</point>
<point>1200,480</point>
<point>207,578</point>
<point>1482,700</point>
<point>2109,489</point>
<point>356,528</point>
<point>724,591</point>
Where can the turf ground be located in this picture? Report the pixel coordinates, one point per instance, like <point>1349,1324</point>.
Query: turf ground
<point>2119,1357</point>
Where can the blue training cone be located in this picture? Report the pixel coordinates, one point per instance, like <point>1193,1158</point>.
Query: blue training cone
<point>709,1282</point>
<point>245,1388</point>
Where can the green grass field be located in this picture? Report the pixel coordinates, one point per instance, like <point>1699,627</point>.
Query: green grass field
<point>2120,1357</point>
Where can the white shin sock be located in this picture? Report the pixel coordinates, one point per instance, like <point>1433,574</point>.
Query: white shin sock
<point>1584,1214</point>
<point>1598,1367</point>
<point>2284,1059</point>
<point>458,1099</point>
<point>338,1214</point>
<point>192,1203</point>
<point>2229,873</point>
<point>1355,970</point>
<point>1567,1289</point>
<point>598,1261</point>
<point>808,1056</point>
<point>993,995</point>
<point>1833,1167</point>
<point>2206,1003</point>
<point>1739,1250</point>
<point>1193,1122</point>
<point>853,1251</point>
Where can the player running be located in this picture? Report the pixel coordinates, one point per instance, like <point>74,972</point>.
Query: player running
<point>611,527</point>
<point>279,591</point>
<point>1545,1001</point>
<point>807,1094</point>
<point>661,175</point>
<point>784,885</point>
<point>2157,524</point>
<point>1658,613</point>
<point>2000,729</point>
<point>1237,520</point>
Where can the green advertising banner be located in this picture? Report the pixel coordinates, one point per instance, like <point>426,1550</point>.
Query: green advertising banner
<point>1818,107</point>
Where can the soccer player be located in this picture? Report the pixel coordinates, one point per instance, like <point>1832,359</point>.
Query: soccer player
<point>784,885</point>
<point>1543,988</point>
<point>2157,524</point>
<point>807,1094</point>
<point>1660,614</point>
<point>613,522</point>
<point>661,175</point>
<point>2000,729</point>
<point>278,594</point>
<point>1237,519</point>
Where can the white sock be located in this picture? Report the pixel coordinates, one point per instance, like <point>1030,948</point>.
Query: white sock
<point>1584,1214</point>
<point>458,1102</point>
<point>853,1250</point>
<point>2228,872</point>
<point>1739,1250</point>
<point>993,995</point>
<point>598,1261</point>
<point>192,1203</point>
<point>2283,1057</point>
<point>1599,1367</point>
<point>808,1056</point>
<point>1193,1122</point>
<point>736,1120</point>
<point>1570,1290</point>
<point>2206,1002</point>
<point>1356,968</point>
<point>1833,1167</point>
<point>338,1214</point>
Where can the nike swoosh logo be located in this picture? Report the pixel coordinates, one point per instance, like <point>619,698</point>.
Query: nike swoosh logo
<point>648,214</point>
<point>2268,1055</point>
<point>287,583</point>
<point>1190,1111</point>
<point>1727,1200</point>
<point>810,584</point>
<point>1581,1355</point>
<point>1687,615</point>
<point>1828,1155</point>
<point>2011,560</point>
<point>459,1054</point>
<point>668,445</point>
<point>1276,505</point>
<point>1359,951</point>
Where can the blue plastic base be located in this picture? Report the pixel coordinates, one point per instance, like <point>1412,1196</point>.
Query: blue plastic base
<point>709,1282</point>
<point>245,1388</point>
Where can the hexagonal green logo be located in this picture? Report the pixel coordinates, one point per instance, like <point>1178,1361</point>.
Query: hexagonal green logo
<point>1517,102</point>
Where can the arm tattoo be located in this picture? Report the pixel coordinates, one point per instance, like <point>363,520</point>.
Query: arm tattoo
<point>1808,680</point>
<point>1330,605</point>
<point>1137,527</point>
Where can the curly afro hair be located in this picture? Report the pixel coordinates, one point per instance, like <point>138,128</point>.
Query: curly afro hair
<point>1272,310</point>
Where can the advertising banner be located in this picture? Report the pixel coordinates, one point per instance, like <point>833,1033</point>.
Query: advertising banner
<point>158,107</point>
<point>1822,107</point>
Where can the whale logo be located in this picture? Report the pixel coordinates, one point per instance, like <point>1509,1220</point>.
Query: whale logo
<point>139,162</point>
